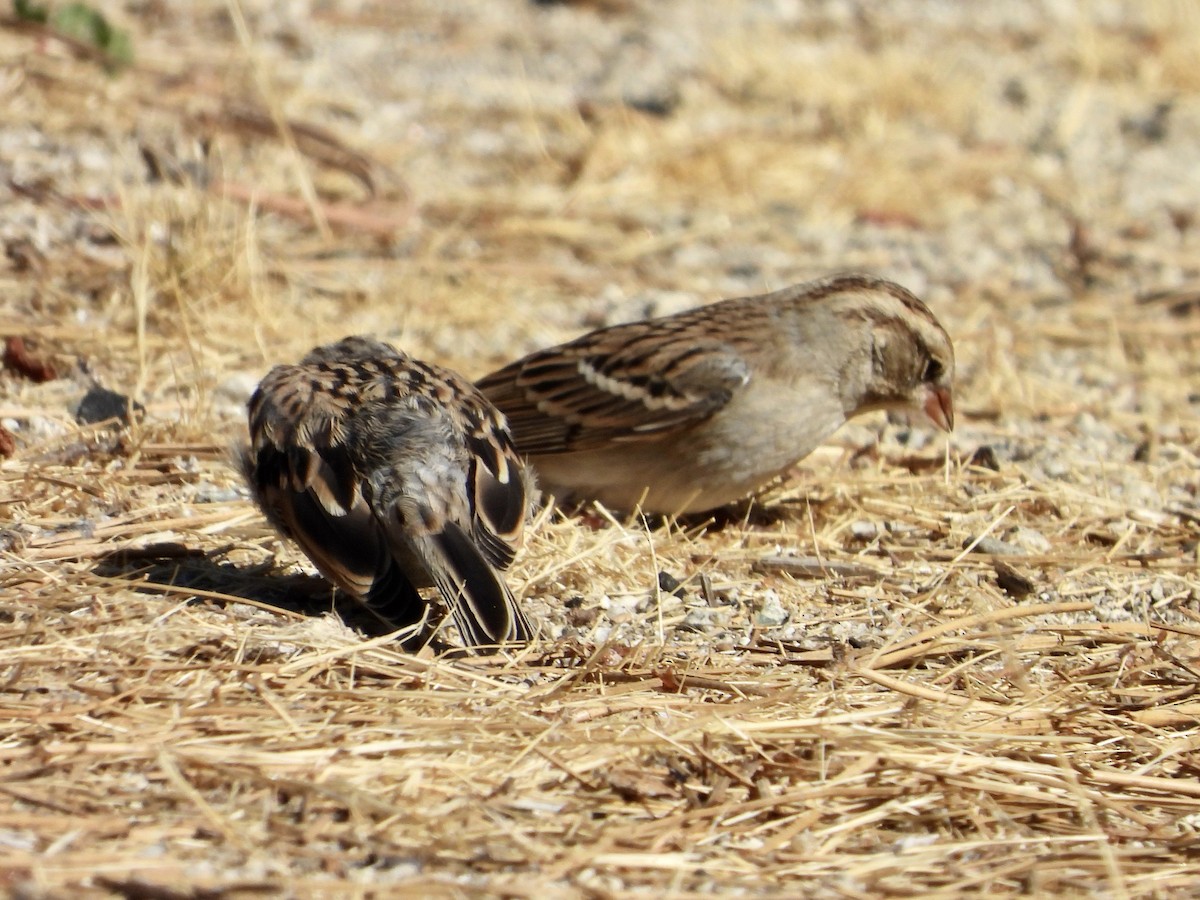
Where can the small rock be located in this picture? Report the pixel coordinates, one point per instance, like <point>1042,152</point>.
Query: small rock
<point>668,583</point>
<point>582,618</point>
<point>18,358</point>
<point>658,100</point>
<point>699,619</point>
<point>1016,93</point>
<point>207,492</point>
<point>994,546</point>
<point>771,614</point>
<point>1031,540</point>
<point>621,610</point>
<point>1151,126</point>
<point>1012,582</point>
<point>1055,468</point>
<point>100,405</point>
<point>863,530</point>
<point>985,458</point>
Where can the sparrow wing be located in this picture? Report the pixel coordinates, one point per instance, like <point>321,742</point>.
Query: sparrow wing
<point>498,487</point>
<point>627,383</point>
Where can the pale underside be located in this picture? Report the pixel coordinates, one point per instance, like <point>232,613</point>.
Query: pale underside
<point>701,467</point>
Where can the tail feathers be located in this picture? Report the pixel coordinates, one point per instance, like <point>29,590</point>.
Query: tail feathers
<point>394,600</point>
<point>374,564</point>
<point>481,604</point>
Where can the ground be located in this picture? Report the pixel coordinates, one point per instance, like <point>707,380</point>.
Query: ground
<point>920,665</point>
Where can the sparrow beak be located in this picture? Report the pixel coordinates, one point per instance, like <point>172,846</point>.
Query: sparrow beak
<point>939,407</point>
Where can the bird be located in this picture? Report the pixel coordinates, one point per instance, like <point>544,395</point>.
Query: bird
<point>393,474</point>
<point>690,412</point>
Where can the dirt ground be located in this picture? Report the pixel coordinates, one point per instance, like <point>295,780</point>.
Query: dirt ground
<point>921,665</point>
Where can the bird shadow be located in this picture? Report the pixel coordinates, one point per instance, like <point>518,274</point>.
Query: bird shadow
<point>750,513</point>
<point>209,579</point>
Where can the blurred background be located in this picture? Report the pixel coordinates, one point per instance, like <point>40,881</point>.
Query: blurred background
<point>216,187</point>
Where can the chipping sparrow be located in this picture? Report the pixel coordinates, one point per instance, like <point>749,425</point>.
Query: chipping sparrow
<point>685,413</point>
<point>393,474</point>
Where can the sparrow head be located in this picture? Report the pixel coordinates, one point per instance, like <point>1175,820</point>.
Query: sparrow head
<point>911,366</point>
<point>932,393</point>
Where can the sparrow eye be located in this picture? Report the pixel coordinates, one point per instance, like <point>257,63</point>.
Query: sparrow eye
<point>933,371</point>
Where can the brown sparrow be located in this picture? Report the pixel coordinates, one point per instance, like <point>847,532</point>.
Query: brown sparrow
<point>685,413</point>
<point>393,474</point>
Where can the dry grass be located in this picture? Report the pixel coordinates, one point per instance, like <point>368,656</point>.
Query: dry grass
<point>911,669</point>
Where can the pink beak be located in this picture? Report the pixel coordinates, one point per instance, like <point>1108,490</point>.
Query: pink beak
<point>939,407</point>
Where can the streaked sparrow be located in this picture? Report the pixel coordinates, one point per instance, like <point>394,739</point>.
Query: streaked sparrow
<point>393,474</point>
<point>685,413</point>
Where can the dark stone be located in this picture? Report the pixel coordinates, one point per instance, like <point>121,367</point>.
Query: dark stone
<point>100,405</point>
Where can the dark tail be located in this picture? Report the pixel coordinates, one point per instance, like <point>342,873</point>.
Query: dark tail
<point>483,607</point>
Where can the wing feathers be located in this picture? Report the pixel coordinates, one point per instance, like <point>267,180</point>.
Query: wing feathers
<point>617,384</point>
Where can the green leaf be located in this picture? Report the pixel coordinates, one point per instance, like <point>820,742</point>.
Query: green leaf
<point>27,12</point>
<point>85,24</point>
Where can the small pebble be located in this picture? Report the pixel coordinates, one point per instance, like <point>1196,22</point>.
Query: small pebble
<point>699,619</point>
<point>985,458</point>
<point>771,614</point>
<point>101,405</point>
<point>865,531</point>
<point>994,546</point>
<point>670,584</point>
<point>1056,469</point>
<point>1031,540</point>
<point>1012,582</point>
<point>206,492</point>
